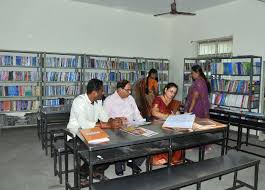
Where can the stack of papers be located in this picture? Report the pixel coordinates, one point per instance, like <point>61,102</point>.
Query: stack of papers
<point>184,121</point>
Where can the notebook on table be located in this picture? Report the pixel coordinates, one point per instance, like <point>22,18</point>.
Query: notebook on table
<point>183,121</point>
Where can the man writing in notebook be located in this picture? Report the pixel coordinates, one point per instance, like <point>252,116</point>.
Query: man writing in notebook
<point>122,105</point>
<point>87,112</point>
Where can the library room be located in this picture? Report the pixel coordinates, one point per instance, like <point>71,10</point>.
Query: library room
<point>135,95</point>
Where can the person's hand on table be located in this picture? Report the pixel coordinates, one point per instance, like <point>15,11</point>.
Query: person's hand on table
<point>103,125</point>
<point>115,123</point>
<point>124,120</point>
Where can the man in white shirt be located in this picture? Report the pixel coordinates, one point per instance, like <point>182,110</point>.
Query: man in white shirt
<point>122,104</point>
<point>86,112</point>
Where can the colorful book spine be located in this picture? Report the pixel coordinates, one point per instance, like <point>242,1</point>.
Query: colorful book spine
<point>126,65</point>
<point>27,61</point>
<point>24,91</point>
<point>94,63</point>
<point>130,76</point>
<point>235,86</point>
<point>63,62</point>
<point>57,102</point>
<point>232,68</point>
<point>62,76</point>
<point>231,100</point>
<point>98,75</point>
<point>62,90</point>
<point>6,60</point>
<point>19,76</point>
<point>19,105</point>
<point>162,77</point>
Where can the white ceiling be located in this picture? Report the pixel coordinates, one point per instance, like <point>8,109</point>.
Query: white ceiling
<point>157,6</point>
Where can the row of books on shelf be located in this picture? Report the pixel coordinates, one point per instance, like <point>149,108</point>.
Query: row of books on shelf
<point>109,89</point>
<point>113,76</point>
<point>187,78</point>
<point>57,102</point>
<point>236,86</point>
<point>62,90</point>
<point>19,91</point>
<point>19,105</point>
<point>162,77</point>
<point>123,65</point>
<point>57,62</point>
<point>158,65</point>
<point>61,76</point>
<point>141,66</point>
<point>240,101</point>
<point>96,63</point>
<point>236,68</point>
<point>19,76</point>
<point>128,65</point>
<point>98,75</point>
<point>27,61</point>
<point>204,65</point>
<point>131,76</point>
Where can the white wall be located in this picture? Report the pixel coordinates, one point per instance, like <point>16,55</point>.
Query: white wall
<point>70,26</point>
<point>244,19</point>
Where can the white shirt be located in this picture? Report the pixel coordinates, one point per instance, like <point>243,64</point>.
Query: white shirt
<point>84,114</point>
<point>115,106</point>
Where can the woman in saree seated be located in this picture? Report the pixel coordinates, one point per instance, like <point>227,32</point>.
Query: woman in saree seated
<point>162,107</point>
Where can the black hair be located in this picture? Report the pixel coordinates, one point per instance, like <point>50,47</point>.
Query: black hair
<point>170,85</point>
<point>152,71</point>
<point>94,85</point>
<point>122,83</point>
<point>198,69</point>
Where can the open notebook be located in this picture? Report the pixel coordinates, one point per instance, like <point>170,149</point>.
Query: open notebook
<point>183,121</point>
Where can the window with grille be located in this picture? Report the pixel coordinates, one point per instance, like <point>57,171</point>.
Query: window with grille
<point>215,47</point>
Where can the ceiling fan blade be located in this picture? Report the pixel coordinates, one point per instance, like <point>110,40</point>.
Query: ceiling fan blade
<point>160,14</point>
<point>185,13</point>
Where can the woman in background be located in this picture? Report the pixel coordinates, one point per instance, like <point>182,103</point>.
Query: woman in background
<point>151,87</point>
<point>197,99</point>
<point>144,93</point>
<point>163,106</point>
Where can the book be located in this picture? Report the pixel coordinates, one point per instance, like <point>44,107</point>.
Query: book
<point>138,131</point>
<point>205,122</point>
<point>184,121</point>
<point>95,135</point>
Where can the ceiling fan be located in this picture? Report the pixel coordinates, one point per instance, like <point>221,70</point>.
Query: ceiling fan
<point>174,11</point>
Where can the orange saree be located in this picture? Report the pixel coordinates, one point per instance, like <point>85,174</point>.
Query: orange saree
<point>177,156</point>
